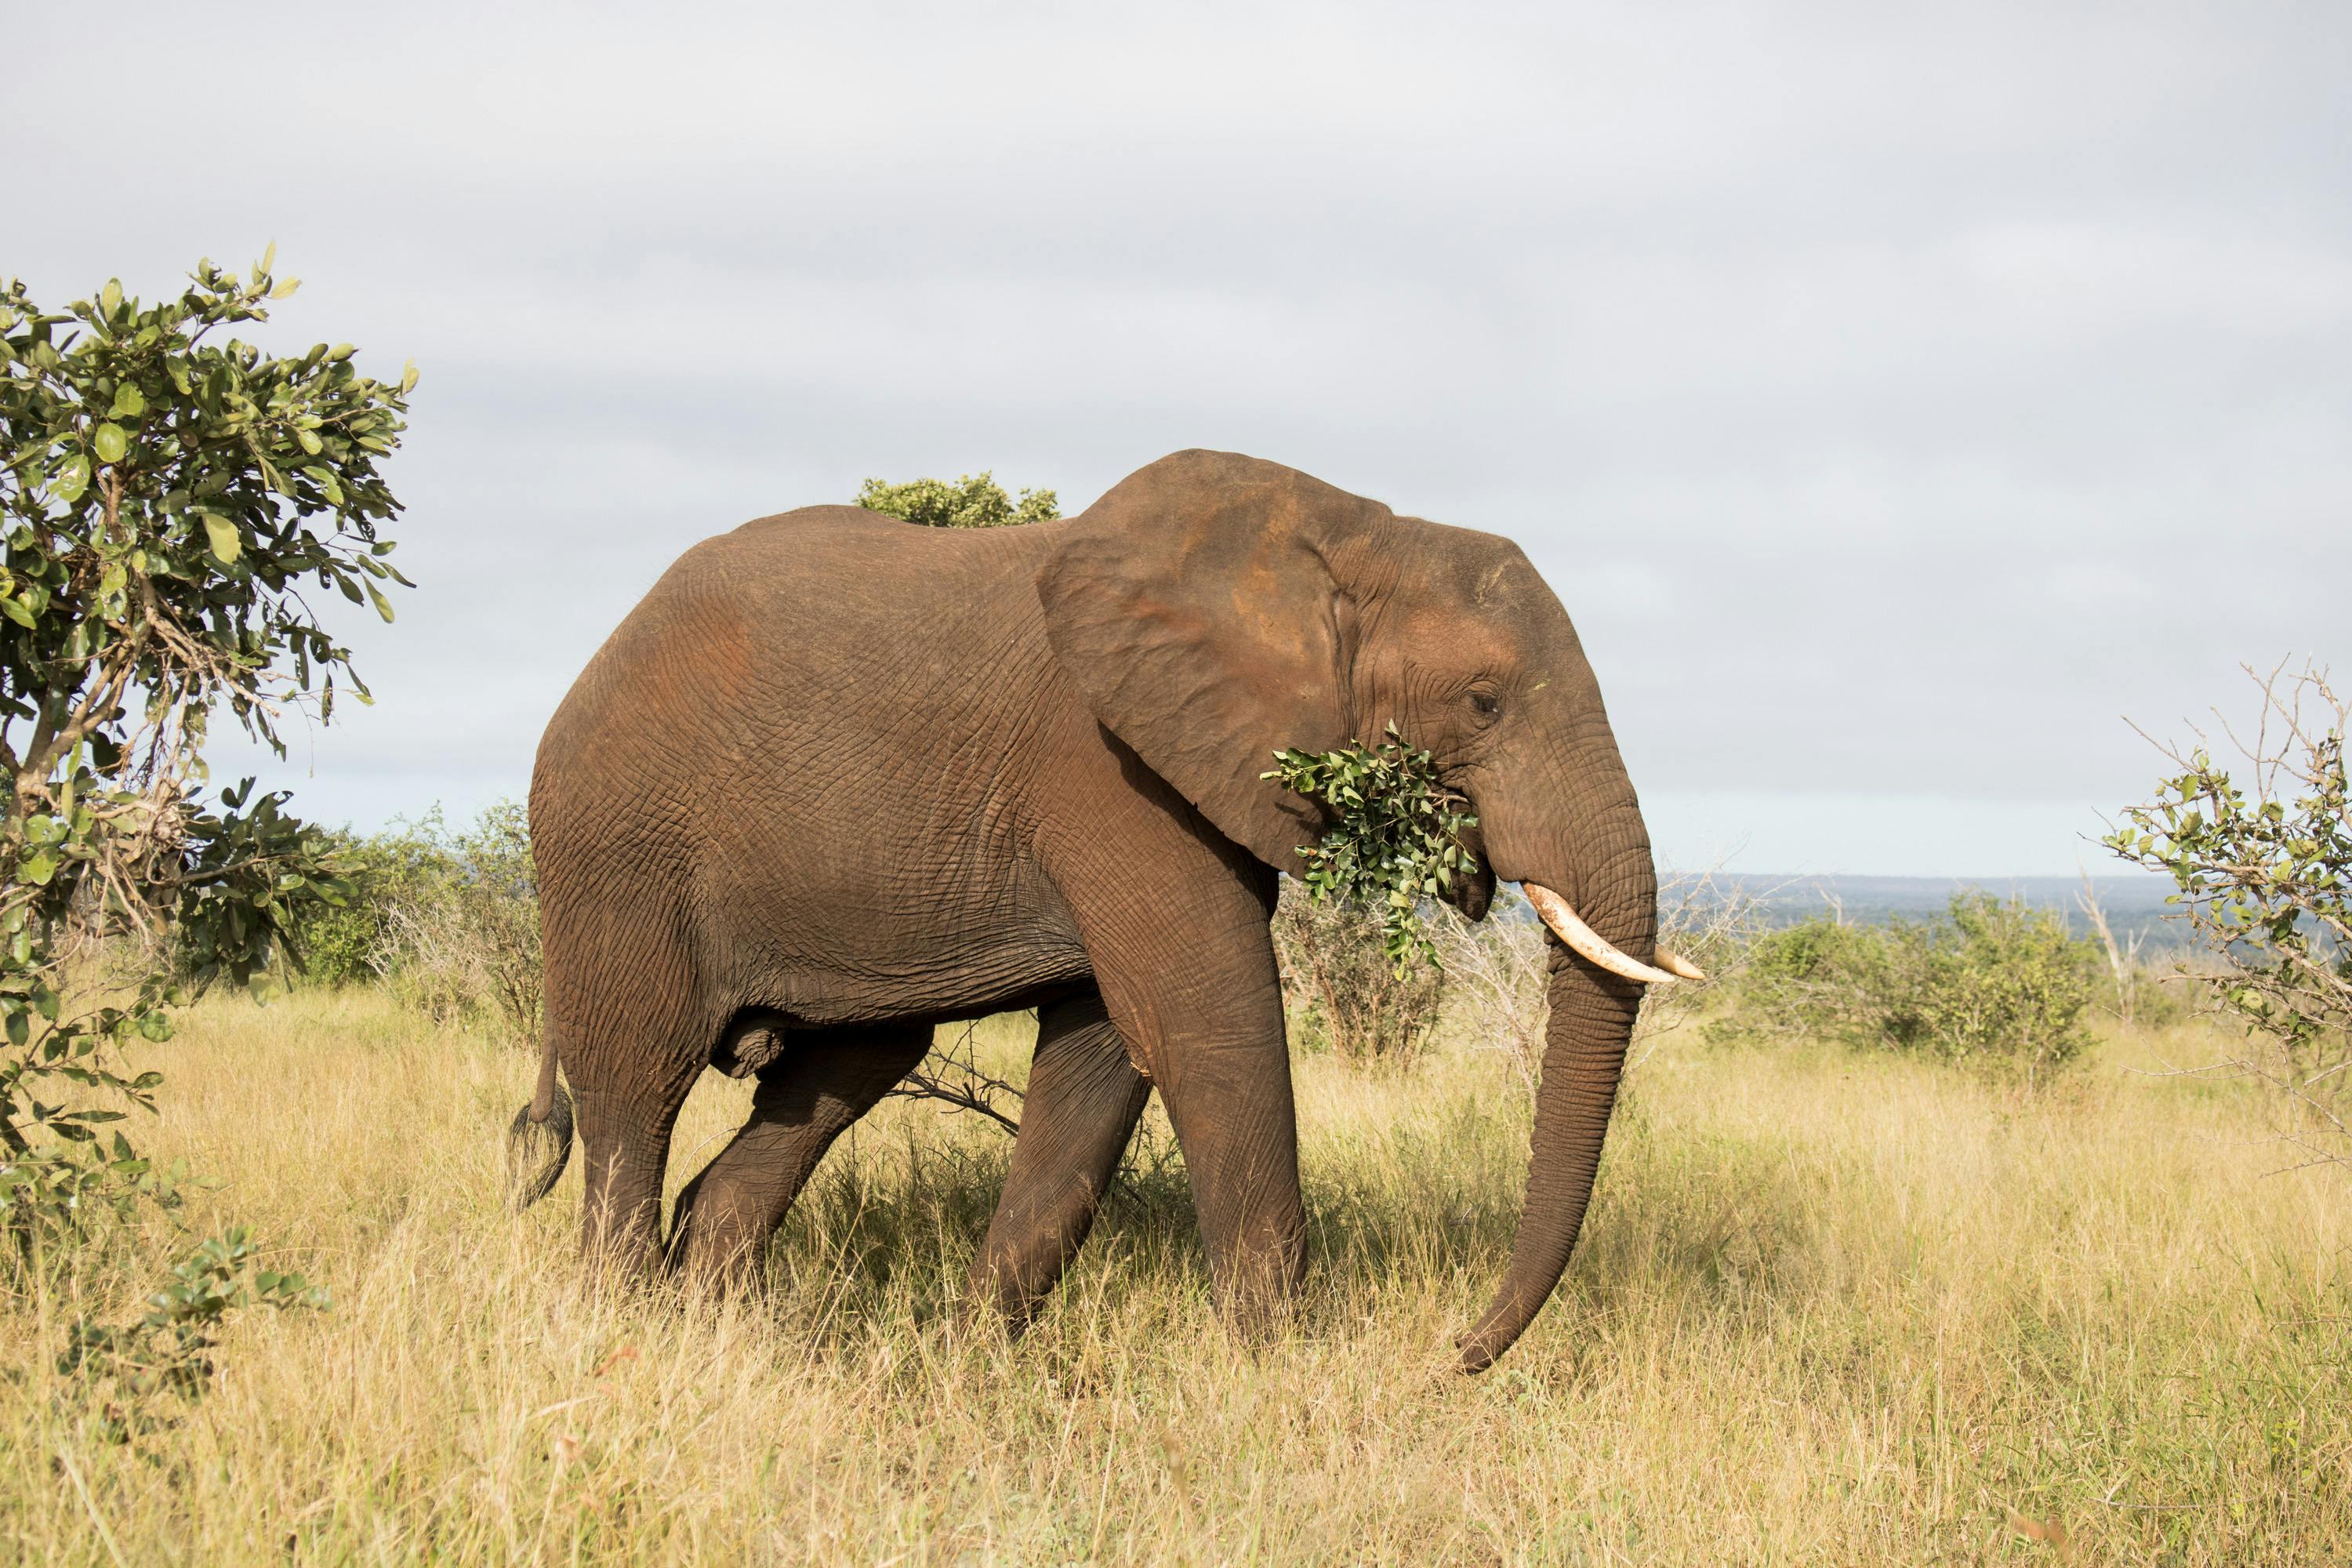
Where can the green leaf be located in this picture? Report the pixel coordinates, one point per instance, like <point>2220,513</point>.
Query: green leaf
<point>383,604</point>
<point>223,535</point>
<point>70,479</point>
<point>130,403</point>
<point>109,442</point>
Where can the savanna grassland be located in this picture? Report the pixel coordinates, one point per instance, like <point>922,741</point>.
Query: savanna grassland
<point>1828,1309</point>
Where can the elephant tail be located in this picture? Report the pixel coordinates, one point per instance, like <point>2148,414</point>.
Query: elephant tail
<point>538,1144</point>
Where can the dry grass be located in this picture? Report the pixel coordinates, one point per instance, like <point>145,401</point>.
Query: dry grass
<point>1827,1311</point>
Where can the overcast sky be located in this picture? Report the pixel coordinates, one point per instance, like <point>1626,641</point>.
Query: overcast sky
<point>1899,397</point>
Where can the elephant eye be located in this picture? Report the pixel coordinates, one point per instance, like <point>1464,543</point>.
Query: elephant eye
<point>1485,704</point>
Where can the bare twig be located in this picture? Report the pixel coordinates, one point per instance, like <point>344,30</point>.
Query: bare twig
<point>955,1080</point>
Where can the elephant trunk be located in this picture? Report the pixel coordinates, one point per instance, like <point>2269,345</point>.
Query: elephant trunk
<point>1592,1022</point>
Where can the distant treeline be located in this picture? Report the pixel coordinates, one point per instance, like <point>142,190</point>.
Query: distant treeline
<point>2134,906</point>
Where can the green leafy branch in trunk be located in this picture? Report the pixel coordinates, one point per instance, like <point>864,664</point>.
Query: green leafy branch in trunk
<point>1396,839</point>
<point>166,501</point>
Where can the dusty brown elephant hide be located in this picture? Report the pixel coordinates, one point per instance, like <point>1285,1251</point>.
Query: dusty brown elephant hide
<point>839,779</point>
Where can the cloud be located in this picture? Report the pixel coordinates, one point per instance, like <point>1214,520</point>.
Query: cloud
<point>1897,397</point>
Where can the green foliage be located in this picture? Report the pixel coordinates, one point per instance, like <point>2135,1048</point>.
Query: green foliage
<point>973,501</point>
<point>1348,993</point>
<point>345,943</point>
<point>166,1354</point>
<point>446,917</point>
<point>164,498</point>
<point>1996,984</point>
<point>1395,838</point>
<point>2264,874</point>
<point>2260,857</point>
<point>463,945</point>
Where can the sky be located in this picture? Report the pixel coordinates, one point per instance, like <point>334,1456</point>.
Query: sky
<point>1905,401</point>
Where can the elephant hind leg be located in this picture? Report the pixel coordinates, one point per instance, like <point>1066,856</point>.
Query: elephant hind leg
<point>1076,1116</point>
<point>825,1080</point>
<point>625,1134</point>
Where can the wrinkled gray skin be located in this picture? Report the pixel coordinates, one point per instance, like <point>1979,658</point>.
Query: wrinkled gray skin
<point>839,779</point>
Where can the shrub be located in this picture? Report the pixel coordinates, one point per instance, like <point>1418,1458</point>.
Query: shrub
<point>1498,977</point>
<point>1995,984</point>
<point>347,944</point>
<point>458,921</point>
<point>973,501</point>
<point>2262,861</point>
<point>138,1370</point>
<point>1348,994</point>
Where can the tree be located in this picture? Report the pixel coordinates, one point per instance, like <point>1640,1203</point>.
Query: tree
<point>167,499</point>
<point>974,500</point>
<point>2262,860</point>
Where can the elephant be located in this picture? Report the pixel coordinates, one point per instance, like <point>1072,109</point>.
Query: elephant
<point>838,779</point>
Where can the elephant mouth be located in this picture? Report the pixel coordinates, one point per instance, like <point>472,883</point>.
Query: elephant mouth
<point>1472,892</point>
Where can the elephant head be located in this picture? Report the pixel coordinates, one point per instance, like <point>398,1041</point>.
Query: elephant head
<point>1213,608</point>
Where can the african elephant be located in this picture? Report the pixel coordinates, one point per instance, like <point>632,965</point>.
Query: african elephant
<point>839,779</point>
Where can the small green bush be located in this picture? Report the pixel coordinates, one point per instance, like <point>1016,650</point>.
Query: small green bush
<point>137,1372</point>
<point>1995,984</point>
<point>403,869</point>
<point>463,947</point>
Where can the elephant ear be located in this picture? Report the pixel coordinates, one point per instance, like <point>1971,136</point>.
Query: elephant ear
<point>1196,607</point>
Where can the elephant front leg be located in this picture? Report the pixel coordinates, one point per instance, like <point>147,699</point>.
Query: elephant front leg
<point>1079,1112</point>
<point>1209,1028</point>
<point>1174,920</point>
<point>1229,1101</point>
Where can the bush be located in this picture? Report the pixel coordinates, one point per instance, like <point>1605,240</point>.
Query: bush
<point>1995,984</point>
<point>136,1373</point>
<point>349,943</point>
<point>1348,992</point>
<point>460,942</point>
<point>2262,855</point>
<point>973,501</point>
<point>447,920</point>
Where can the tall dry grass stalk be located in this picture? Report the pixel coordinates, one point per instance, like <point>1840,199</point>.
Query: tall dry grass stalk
<point>1827,1310</point>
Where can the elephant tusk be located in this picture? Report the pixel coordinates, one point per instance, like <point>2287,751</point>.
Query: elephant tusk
<point>1675,963</point>
<point>1564,924</point>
